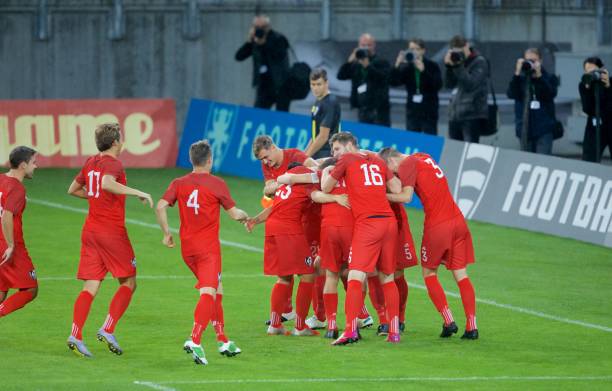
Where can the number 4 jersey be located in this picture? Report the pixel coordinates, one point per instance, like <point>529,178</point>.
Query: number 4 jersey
<point>106,210</point>
<point>199,197</point>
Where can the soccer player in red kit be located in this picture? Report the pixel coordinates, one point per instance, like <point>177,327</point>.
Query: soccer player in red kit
<point>286,253</point>
<point>374,242</point>
<point>446,237</point>
<point>16,268</point>
<point>105,246</point>
<point>199,196</point>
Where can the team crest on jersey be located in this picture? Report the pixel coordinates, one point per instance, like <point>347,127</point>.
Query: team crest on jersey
<point>33,274</point>
<point>308,261</point>
<point>134,263</point>
<point>314,110</point>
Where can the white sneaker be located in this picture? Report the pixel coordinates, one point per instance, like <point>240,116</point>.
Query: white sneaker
<point>305,332</point>
<point>228,348</point>
<point>197,351</point>
<point>365,323</point>
<point>289,315</point>
<point>314,323</point>
<point>277,330</point>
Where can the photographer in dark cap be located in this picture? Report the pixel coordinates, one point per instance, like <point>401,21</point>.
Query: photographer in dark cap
<point>467,74</point>
<point>369,76</point>
<point>534,90</point>
<point>270,63</point>
<point>423,80</point>
<point>596,97</point>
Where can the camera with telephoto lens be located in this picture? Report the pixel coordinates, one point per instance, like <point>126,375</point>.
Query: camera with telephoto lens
<point>528,66</point>
<point>259,33</point>
<point>409,56</point>
<point>592,77</point>
<point>457,57</point>
<point>362,53</point>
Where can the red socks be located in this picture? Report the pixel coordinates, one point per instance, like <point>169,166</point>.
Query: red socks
<point>318,305</point>
<point>402,289</point>
<point>16,301</point>
<point>288,306</point>
<point>118,305</point>
<point>203,314</point>
<point>352,305</point>
<point>392,306</point>
<point>377,298</point>
<point>218,321</point>
<point>278,302</point>
<point>468,297</point>
<point>331,307</point>
<point>81,310</point>
<point>302,303</point>
<point>438,297</point>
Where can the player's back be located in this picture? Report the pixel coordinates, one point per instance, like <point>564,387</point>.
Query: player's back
<point>12,196</point>
<point>334,214</point>
<point>106,210</point>
<point>290,202</point>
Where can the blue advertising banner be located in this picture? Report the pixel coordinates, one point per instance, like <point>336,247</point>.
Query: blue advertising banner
<point>231,130</point>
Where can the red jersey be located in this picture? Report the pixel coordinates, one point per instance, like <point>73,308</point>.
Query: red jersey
<point>290,203</point>
<point>366,177</point>
<point>334,214</point>
<point>13,199</point>
<point>106,210</point>
<point>290,155</point>
<point>199,197</point>
<point>421,172</point>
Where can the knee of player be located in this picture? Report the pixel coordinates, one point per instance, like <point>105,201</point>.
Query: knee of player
<point>208,291</point>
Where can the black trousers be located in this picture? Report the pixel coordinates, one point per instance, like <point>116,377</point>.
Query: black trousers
<point>466,130</point>
<point>423,125</point>
<point>588,144</point>
<point>266,97</point>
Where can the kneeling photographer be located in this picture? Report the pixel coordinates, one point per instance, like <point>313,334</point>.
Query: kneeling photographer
<point>534,90</point>
<point>596,97</point>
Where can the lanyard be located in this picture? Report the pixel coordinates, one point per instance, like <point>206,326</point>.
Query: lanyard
<point>417,80</point>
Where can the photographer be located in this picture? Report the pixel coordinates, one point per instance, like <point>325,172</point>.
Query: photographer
<point>539,111</point>
<point>596,78</point>
<point>270,63</point>
<point>422,79</point>
<point>369,77</point>
<point>467,75</point>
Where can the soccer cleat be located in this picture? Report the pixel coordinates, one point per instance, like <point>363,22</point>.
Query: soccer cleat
<point>402,327</point>
<point>331,334</point>
<point>78,347</point>
<point>228,348</point>
<point>393,338</point>
<point>448,330</point>
<point>346,339</point>
<point>365,322</point>
<point>305,332</point>
<point>197,352</point>
<point>383,330</point>
<point>314,323</point>
<point>110,340</point>
<point>277,330</point>
<point>472,334</point>
<point>288,316</point>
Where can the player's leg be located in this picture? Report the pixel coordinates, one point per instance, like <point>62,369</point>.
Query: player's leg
<point>317,320</point>
<point>20,275</point>
<point>82,305</point>
<point>330,296</point>
<point>377,298</point>
<point>17,300</point>
<point>302,305</point>
<point>468,298</point>
<point>387,262</point>
<point>352,306</point>
<point>402,289</point>
<point>438,298</point>
<point>224,345</point>
<point>278,302</point>
<point>202,315</point>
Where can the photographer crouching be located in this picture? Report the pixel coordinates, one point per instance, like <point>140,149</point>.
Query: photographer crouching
<point>423,80</point>
<point>467,74</point>
<point>369,76</point>
<point>534,90</point>
<point>596,97</point>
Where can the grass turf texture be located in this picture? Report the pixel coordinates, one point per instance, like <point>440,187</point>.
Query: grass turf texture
<point>556,276</point>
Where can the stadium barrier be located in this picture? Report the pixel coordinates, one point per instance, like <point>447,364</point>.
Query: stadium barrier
<point>62,131</point>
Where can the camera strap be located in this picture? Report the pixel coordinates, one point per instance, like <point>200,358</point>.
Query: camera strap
<point>490,82</point>
<point>417,80</point>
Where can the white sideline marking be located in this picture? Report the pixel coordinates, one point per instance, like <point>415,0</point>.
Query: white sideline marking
<point>159,277</point>
<point>154,386</point>
<point>260,250</point>
<point>159,385</point>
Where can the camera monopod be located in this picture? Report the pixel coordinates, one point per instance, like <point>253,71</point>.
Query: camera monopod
<point>526,99</point>
<point>596,88</point>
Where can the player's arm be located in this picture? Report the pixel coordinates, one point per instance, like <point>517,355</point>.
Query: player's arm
<point>260,218</point>
<point>315,145</point>
<point>310,163</point>
<point>404,196</point>
<point>270,187</point>
<point>327,181</point>
<point>77,190</point>
<point>394,185</point>
<point>162,219</point>
<point>7,231</point>
<point>237,214</point>
<point>110,184</point>
<point>292,179</point>
<point>324,198</point>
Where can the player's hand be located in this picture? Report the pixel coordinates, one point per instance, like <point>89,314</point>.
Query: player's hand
<point>168,241</point>
<point>284,179</point>
<point>8,253</point>
<point>145,198</point>
<point>250,224</point>
<point>343,200</point>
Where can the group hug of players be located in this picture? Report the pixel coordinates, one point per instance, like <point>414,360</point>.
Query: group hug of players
<point>337,218</point>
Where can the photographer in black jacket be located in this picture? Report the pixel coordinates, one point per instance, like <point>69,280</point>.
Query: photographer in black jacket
<point>540,110</point>
<point>369,77</point>
<point>423,80</point>
<point>596,77</point>
<point>270,63</point>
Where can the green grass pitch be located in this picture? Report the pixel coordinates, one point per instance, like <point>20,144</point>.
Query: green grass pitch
<point>546,322</point>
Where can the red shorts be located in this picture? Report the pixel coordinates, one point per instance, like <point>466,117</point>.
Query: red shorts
<point>406,256</point>
<point>206,267</point>
<point>448,243</point>
<point>335,247</point>
<point>374,245</point>
<point>18,273</point>
<point>102,253</point>
<point>312,230</point>
<point>286,255</point>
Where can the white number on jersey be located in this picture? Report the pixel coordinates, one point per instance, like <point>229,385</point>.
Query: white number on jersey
<point>94,179</point>
<point>341,183</point>
<point>284,194</point>
<point>371,174</point>
<point>439,172</point>
<point>1,209</point>
<point>192,201</point>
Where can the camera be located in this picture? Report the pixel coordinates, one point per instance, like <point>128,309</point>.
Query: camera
<point>457,57</point>
<point>362,53</point>
<point>592,77</point>
<point>259,33</point>
<point>528,66</point>
<point>409,56</point>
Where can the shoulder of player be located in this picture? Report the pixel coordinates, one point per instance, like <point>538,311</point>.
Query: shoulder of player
<point>11,184</point>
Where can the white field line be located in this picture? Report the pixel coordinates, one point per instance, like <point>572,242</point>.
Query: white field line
<point>260,250</point>
<point>161,385</point>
